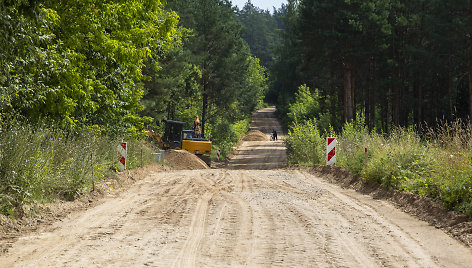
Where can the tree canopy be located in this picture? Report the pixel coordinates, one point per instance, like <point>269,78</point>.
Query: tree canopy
<point>219,80</point>
<point>80,62</point>
<point>400,63</point>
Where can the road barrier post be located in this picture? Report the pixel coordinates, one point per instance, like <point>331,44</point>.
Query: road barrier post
<point>122,151</point>
<point>218,154</point>
<point>330,151</point>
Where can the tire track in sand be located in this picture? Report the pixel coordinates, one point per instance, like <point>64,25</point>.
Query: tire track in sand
<point>188,255</point>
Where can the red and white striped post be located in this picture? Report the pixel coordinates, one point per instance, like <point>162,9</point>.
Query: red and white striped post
<point>218,154</point>
<point>122,151</point>
<point>330,151</point>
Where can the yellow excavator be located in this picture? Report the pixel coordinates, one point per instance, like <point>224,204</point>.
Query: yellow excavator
<point>175,137</point>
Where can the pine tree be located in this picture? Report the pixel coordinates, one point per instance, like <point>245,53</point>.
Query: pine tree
<point>218,50</point>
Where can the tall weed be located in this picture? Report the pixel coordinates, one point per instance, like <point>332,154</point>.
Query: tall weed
<point>437,165</point>
<point>305,144</point>
<point>352,143</point>
<point>399,161</point>
<point>39,164</point>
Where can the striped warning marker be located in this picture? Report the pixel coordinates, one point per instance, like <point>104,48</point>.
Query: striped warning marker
<point>218,154</point>
<point>122,151</point>
<point>331,151</point>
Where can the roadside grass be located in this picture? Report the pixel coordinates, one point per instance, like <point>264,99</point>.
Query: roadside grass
<point>304,144</point>
<point>40,164</point>
<point>437,165</point>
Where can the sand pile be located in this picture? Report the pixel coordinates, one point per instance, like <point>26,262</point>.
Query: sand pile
<point>182,159</point>
<point>254,135</point>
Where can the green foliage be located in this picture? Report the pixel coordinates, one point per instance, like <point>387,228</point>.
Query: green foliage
<point>305,106</point>
<point>28,57</point>
<point>225,136</point>
<point>255,88</point>
<point>40,164</point>
<point>308,104</point>
<point>218,51</point>
<point>440,168</point>
<point>305,144</point>
<point>75,63</point>
<point>401,62</point>
<point>173,92</point>
<point>399,161</point>
<point>212,75</point>
<point>404,162</point>
<point>352,144</point>
<point>260,32</point>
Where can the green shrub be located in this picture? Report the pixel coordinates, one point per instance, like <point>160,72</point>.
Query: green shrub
<point>301,140</point>
<point>438,166</point>
<point>351,145</point>
<point>39,164</point>
<point>227,136</point>
<point>307,103</point>
<point>399,160</point>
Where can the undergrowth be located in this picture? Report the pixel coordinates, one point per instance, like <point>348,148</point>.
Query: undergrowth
<point>437,165</point>
<point>40,164</point>
<point>227,137</point>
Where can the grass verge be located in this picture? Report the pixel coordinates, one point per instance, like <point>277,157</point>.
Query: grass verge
<point>40,164</point>
<point>437,165</point>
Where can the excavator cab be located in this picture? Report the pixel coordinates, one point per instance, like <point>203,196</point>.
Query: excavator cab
<point>173,134</point>
<point>175,137</point>
<point>187,134</point>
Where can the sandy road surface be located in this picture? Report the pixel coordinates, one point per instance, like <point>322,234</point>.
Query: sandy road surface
<point>253,155</point>
<point>241,216</point>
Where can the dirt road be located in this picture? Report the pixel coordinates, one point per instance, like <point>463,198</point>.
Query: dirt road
<point>246,215</point>
<point>253,155</point>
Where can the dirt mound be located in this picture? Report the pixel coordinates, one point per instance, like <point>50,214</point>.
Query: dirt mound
<point>254,135</point>
<point>181,159</point>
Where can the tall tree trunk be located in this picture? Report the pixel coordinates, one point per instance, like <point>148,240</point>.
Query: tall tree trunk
<point>204,96</point>
<point>450,94</point>
<point>204,111</point>
<point>385,113</point>
<point>396,99</point>
<point>353,90</point>
<point>470,95</point>
<point>348,92</point>
<point>405,101</point>
<point>419,105</point>
<point>388,116</point>
<point>371,96</point>
<point>372,107</point>
<point>367,90</point>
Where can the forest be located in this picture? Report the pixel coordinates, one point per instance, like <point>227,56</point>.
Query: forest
<point>78,76</point>
<point>398,63</point>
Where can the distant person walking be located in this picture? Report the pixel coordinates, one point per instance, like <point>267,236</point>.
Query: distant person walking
<point>274,135</point>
